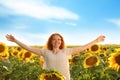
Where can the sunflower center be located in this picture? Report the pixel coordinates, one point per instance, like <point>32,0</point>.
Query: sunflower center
<point>91,60</point>
<point>117,59</point>
<point>102,55</point>
<point>27,54</point>
<point>19,49</point>
<point>15,53</point>
<point>4,56</point>
<point>94,48</point>
<point>2,48</point>
<point>52,77</point>
<point>75,59</point>
<point>104,49</point>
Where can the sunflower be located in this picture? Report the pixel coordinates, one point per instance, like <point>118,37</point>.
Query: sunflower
<point>18,48</point>
<point>15,53</point>
<point>20,55</point>
<point>105,48</point>
<point>114,61</point>
<point>3,48</point>
<point>74,59</point>
<point>27,55</point>
<point>5,56</point>
<point>91,60</point>
<point>52,75</point>
<point>41,60</point>
<point>102,53</point>
<point>94,48</point>
<point>11,50</point>
<point>117,49</point>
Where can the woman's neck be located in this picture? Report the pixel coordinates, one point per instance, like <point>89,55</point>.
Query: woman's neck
<point>55,50</point>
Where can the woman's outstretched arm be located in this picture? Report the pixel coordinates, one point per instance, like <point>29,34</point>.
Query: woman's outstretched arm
<point>84,47</point>
<point>13,39</point>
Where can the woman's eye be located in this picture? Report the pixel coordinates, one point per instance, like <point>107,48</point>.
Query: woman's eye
<point>53,39</point>
<point>56,39</point>
<point>59,39</point>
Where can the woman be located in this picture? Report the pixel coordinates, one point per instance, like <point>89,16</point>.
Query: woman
<point>56,55</point>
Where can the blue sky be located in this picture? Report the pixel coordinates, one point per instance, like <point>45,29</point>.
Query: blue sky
<point>78,21</point>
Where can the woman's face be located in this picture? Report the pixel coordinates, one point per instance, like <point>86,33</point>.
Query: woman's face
<point>56,41</point>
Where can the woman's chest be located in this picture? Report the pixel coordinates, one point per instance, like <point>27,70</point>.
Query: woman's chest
<point>61,55</point>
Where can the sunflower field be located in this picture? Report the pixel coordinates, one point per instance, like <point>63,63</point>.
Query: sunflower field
<point>99,62</point>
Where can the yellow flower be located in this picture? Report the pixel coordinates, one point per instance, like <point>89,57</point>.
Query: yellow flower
<point>51,76</point>
<point>91,60</point>
<point>102,53</point>
<point>114,61</point>
<point>105,48</point>
<point>117,49</point>
<point>18,48</point>
<point>95,48</point>
<point>15,53</point>
<point>41,60</point>
<point>5,56</point>
<point>27,55</point>
<point>3,48</point>
<point>74,59</point>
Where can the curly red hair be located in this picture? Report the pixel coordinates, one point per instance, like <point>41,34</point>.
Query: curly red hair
<point>49,45</point>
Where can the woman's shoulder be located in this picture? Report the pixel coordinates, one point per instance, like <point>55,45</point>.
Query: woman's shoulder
<point>67,49</point>
<point>45,50</point>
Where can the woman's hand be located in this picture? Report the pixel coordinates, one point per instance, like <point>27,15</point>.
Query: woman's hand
<point>100,39</point>
<point>10,38</point>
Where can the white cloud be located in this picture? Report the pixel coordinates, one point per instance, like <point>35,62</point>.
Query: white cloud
<point>71,24</point>
<point>38,9</point>
<point>115,21</point>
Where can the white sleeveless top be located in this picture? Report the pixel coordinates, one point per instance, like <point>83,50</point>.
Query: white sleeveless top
<point>57,61</point>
